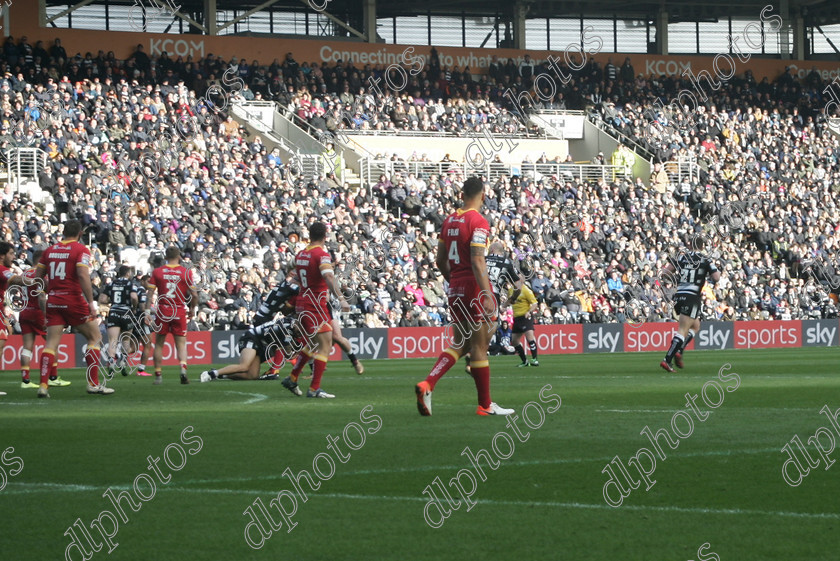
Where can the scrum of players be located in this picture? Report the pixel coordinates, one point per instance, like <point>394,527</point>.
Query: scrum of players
<point>296,321</point>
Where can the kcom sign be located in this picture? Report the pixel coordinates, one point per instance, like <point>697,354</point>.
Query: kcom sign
<point>178,47</point>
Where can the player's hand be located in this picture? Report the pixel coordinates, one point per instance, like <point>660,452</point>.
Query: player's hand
<point>345,307</point>
<point>489,305</point>
<point>94,308</point>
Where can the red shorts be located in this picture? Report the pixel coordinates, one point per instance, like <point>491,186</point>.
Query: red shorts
<point>67,310</point>
<point>313,320</point>
<point>176,326</point>
<point>32,321</point>
<point>465,303</point>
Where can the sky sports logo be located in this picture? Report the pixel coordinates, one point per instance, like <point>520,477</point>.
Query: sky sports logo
<point>604,338</point>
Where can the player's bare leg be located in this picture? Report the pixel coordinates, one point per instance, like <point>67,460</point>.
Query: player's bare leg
<point>515,341</point>
<point>160,341</point>
<point>324,343</point>
<point>93,358</point>
<point>181,352</point>
<point>692,331</point>
<point>53,338</point>
<point>446,360</point>
<point>678,342</point>
<point>145,340</point>
<point>248,368</point>
<point>344,343</point>
<point>479,343</point>
<point>532,346</point>
<point>26,360</point>
<point>112,349</point>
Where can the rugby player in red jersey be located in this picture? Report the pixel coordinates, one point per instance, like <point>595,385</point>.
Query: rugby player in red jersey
<point>65,267</point>
<point>173,283</point>
<point>33,323</point>
<point>472,306</point>
<point>314,314</point>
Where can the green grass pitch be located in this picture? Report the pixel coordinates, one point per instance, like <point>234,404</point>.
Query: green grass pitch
<point>722,485</point>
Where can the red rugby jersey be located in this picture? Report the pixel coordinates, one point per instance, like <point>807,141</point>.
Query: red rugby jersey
<point>461,231</point>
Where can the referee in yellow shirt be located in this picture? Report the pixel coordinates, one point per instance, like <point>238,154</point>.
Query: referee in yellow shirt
<point>523,306</point>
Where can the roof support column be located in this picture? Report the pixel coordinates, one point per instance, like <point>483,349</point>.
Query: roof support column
<point>520,10</point>
<point>211,17</point>
<point>662,32</point>
<point>369,8</point>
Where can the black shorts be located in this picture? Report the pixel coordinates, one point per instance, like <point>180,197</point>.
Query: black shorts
<point>119,318</point>
<point>522,324</point>
<point>688,305</point>
<point>247,341</point>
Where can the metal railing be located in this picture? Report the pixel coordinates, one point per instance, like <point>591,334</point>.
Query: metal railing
<point>542,135</point>
<point>598,120</point>
<point>372,169</point>
<point>24,164</point>
<point>682,168</point>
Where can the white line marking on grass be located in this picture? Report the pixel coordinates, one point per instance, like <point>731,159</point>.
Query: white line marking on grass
<point>490,502</point>
<point>633,410</point>
<point>255,397</point>
<point>25,488</point>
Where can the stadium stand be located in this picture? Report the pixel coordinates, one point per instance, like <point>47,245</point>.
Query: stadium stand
<point>238,212</point>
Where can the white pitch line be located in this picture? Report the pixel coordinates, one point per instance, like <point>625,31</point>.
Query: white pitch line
<point>255,397</point>
<point>633,410</point>
<point>527,504</point>
<point>25,488</point>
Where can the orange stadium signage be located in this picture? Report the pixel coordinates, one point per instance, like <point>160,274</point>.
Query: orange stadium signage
<point>25,21</point>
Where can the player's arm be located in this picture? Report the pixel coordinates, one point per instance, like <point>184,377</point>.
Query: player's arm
<point>479,269</point>
<point>42,302</point>
<point>669,269</point>
<point>14,279</point>
<point>442,260</point>
<point>151,287</point>
<point>83,274</point>
<point>332,284</point>
<point>193,303</point>
<point>532,301</point>
<point>518,280</point>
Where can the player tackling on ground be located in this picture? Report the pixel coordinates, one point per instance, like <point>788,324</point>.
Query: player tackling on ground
<point>261,343</point>
<point>693,268</point>
<point>65,267</point>
<point>174,284</point>
<point>314,313</point>
<point>472,306</point>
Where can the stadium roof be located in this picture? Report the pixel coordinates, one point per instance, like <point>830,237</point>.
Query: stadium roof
<point>817,12</point>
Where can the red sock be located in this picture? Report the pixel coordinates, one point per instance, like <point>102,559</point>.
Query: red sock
<point>46,360</point>
<point>445,361</point>
<point>303,359</point>
<point>320,366</point>
<point>481,375</point>
<point>93,360</point>
<point>24,372</point>
<point>54,370</point>
<point>276,362</point>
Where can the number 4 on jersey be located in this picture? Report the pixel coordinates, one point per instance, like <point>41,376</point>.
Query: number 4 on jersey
<point>453,252</point>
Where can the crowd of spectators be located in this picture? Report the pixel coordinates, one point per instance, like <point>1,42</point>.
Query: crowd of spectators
<point>239,213</point>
